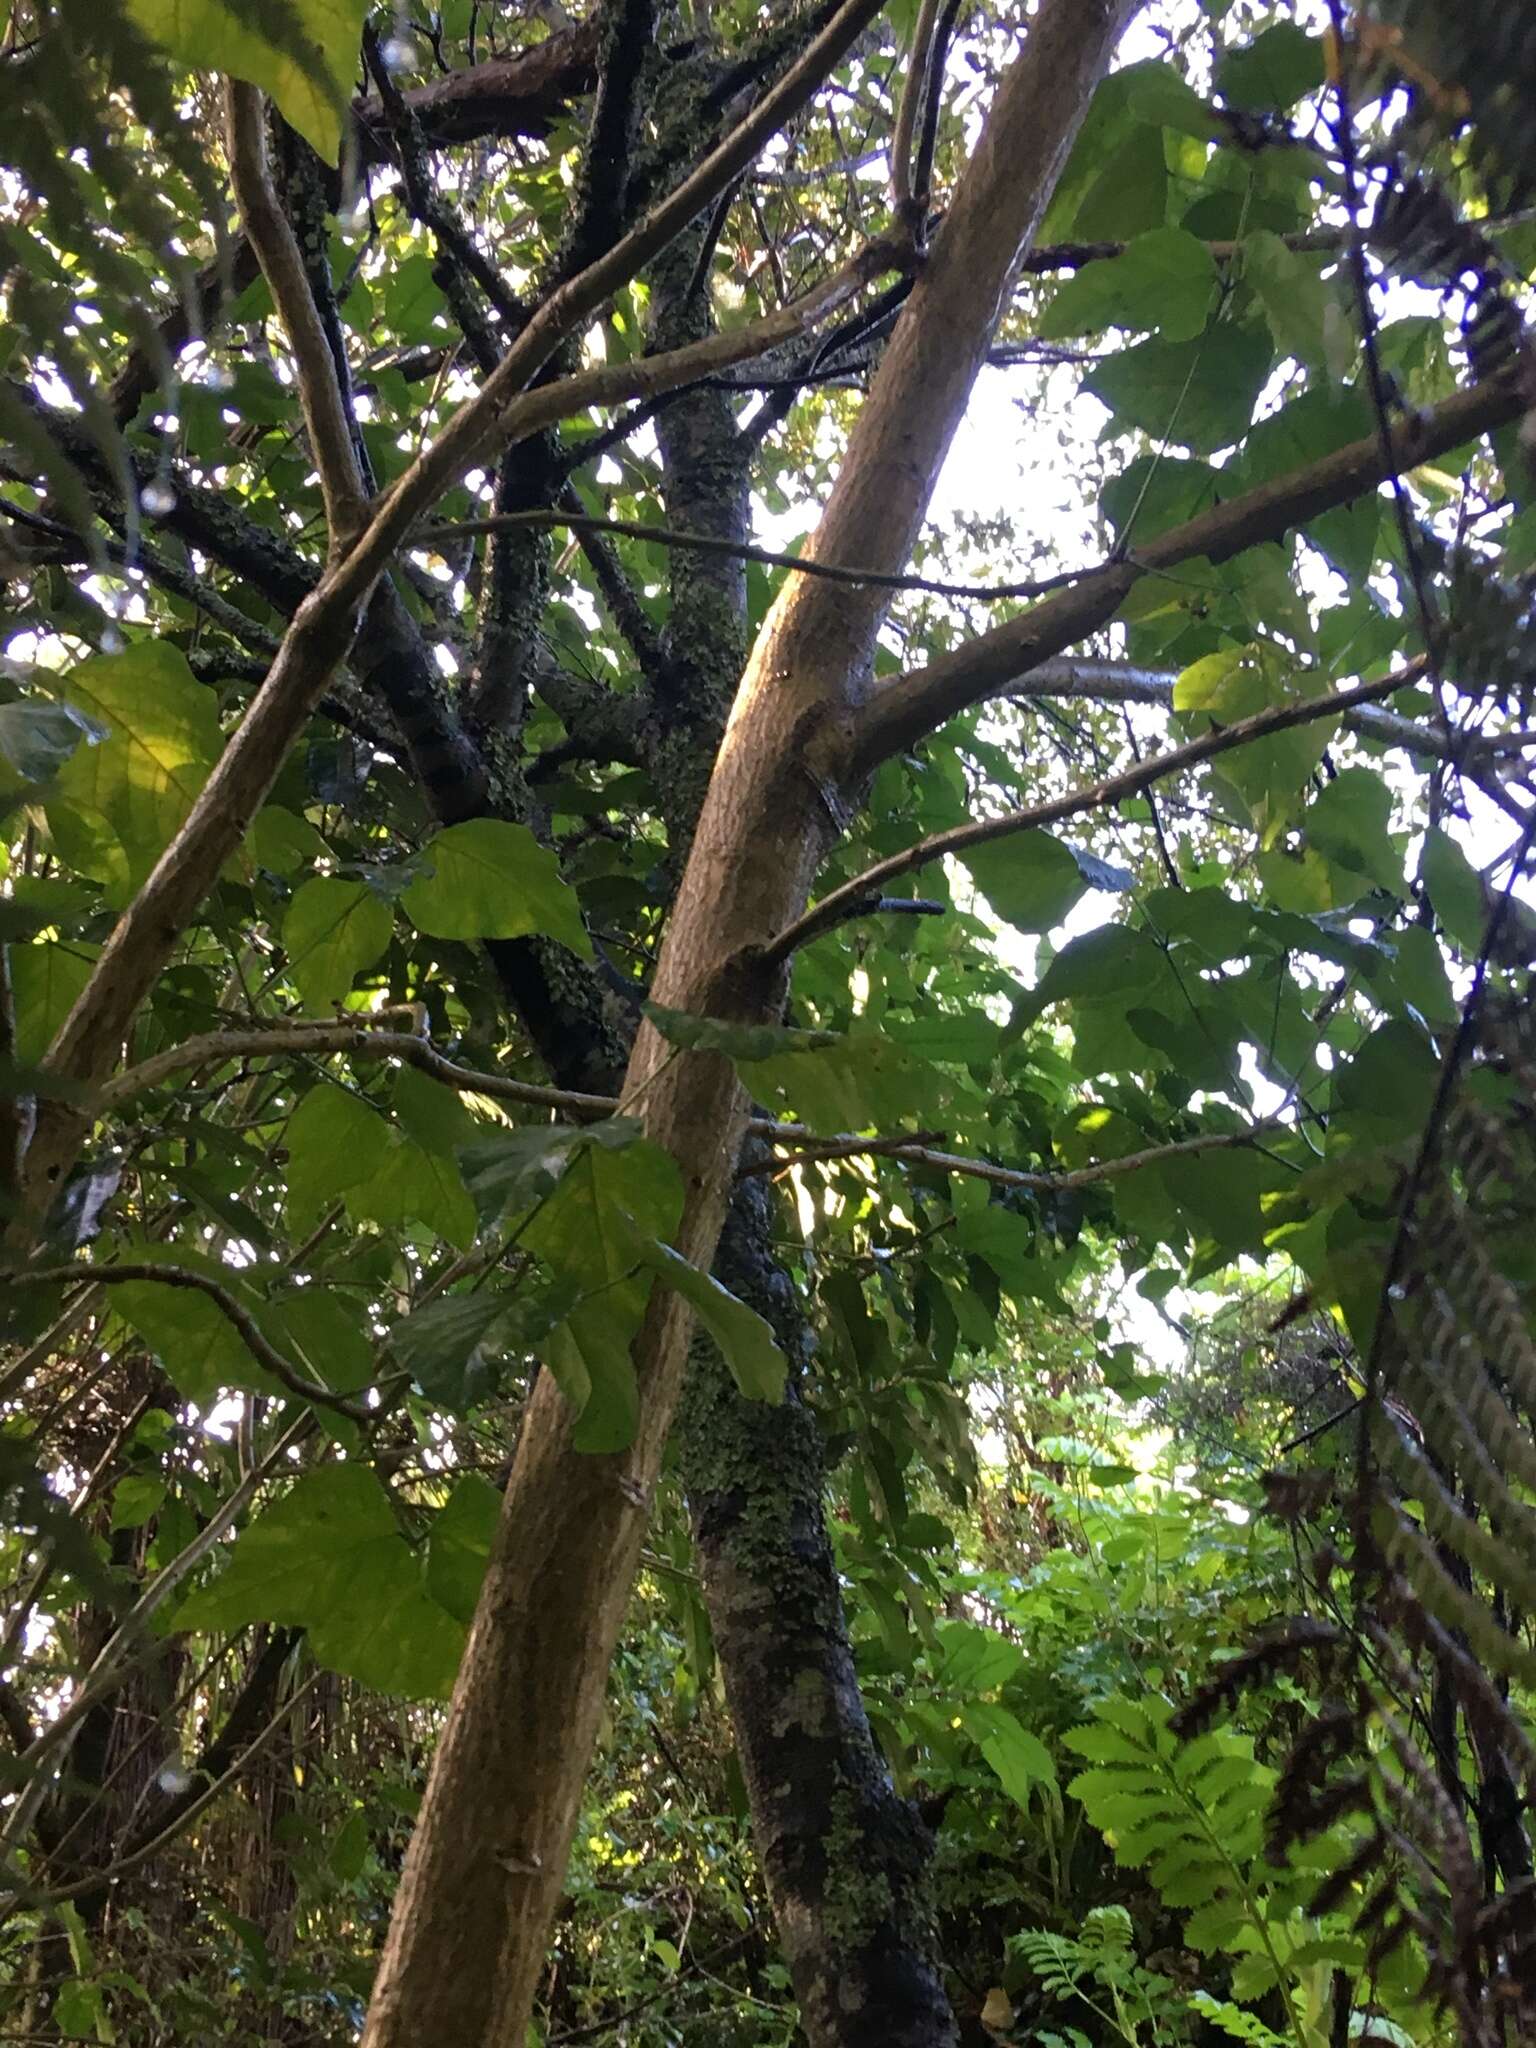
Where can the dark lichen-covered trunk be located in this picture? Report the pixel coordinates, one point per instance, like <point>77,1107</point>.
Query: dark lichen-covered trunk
<point>845,1857</point>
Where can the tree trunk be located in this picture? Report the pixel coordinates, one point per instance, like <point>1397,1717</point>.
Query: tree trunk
<point>845,1856</point>
<point>488,1857</point>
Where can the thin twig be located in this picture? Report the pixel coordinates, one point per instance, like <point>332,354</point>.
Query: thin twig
<point>743,551</point>
<point>115,1657</point>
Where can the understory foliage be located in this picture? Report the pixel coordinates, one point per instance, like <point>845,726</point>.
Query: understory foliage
<point>1141,1197</point>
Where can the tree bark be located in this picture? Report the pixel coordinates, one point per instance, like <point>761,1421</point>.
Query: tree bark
<point>487,1861</point>
<point>846,1858</point>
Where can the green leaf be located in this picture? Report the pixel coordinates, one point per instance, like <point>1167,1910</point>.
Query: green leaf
<point>328,1558</point>
<point>746,1342</point>
<point>505,1170</point>
<point>1197,394</point>
<point>1302,432</point>
<point>1269,775</point>
<point>1348,824</point>
<point>448,1348</point>
<point>1164,281</point>
<point>1030,879</point>
<point>1295,299</point>
<point>1279,67</point>
<point>1114,960</point>
<point>283,843</point>
<point>332,931</point>
<point>413,1184</point>
<point>302,52</point>
<point>1021,1760</point>
<point>136,1499</point>
<point>323,1335</point>
<point>432,1114</point>
<point>865,1081</point>
<point>198,1345</point>
<point>594,1231</point>
<point>1455,891</point>
<point>335,1142</point>
<point>491,880</point>
<point>47,981</point>
<point>459,1546</point>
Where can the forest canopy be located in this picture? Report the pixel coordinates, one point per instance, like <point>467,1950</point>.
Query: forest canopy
<point>767,819</point>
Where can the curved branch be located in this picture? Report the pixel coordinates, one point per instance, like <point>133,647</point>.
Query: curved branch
<point>850,898</point>
<point>325,411</point>
<point>714,544</point>
<point>915,1153</point>
<point>357,1039</point>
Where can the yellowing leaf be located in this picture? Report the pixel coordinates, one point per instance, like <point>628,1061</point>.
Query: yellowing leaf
<point>162,737</point>
<point>302,52</point>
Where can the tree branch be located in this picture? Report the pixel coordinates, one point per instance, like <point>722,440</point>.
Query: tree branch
<point>289,1039</point>
<point>915,1147</point>
<point>901,713</point>
<point>903,199</point>
<point>144,936</point>
<point>850,897</point>
<point>506,96</point>
<point>914,1153</point>
<point>325,412</point>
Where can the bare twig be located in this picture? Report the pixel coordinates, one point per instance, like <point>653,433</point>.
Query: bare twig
<point>116,1656</point>
<point>487,422</point>
<point>742,551</point>
<point>302,1039</point>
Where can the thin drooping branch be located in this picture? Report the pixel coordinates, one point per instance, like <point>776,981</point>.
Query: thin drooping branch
<point>302,1039</point>
<point>967,1166</point>
<point>906,709</point>
<point>325,411</point>
<point>850,897</point>
<point>714,544</point>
